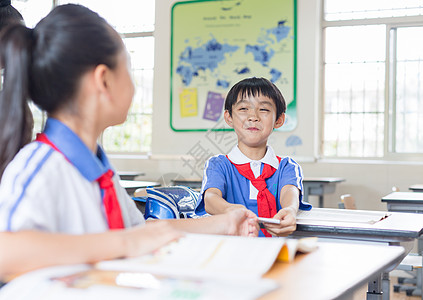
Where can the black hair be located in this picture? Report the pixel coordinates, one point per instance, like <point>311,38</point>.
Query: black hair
<point>253,87</point>
<point>8,14</point>
<point>46,65</point>
<point>12,138</point>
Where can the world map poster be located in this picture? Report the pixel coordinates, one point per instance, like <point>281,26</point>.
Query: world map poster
<point>215,44</point>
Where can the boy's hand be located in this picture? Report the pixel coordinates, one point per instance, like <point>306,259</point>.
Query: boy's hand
<point>242,221</point>
<point>288,217</point>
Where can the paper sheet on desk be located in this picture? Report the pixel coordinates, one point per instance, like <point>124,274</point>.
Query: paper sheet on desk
<point>342,215</point>
<point>206,256</point>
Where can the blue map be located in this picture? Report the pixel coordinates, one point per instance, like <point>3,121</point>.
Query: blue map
<point>213,57</point>
<point>261,54</point>
<point>208,56</point>
<point>280,32</point>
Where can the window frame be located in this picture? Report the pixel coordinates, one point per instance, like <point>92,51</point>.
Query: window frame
<point>143,154</point>
<point>389,88</point>
<point>130,154</point>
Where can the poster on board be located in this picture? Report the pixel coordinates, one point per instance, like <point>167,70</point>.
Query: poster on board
<point>216,43</point>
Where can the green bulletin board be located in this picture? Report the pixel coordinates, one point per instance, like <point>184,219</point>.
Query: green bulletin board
<point>216,43</point>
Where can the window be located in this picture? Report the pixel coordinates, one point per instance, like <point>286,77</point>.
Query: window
<point>135,134</point>
<point>135,22</point>
<point>373,90</point>
<point>407,104</point>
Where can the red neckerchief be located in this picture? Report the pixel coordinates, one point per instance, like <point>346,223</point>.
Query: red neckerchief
<point>266,202</point>
<point>110,201</point>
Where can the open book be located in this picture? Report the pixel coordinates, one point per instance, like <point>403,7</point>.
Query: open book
<point>83,282</point>
<point>214,257</point>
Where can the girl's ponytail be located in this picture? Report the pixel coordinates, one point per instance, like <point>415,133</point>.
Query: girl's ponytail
<point>16,120</point>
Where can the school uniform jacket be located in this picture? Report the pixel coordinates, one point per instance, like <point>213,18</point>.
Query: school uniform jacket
<point>43,189</point>
<point>220,173</point>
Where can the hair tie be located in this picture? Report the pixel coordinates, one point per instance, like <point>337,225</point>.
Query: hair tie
<point>4,3</point>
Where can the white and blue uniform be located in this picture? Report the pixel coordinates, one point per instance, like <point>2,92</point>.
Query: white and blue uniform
<point>43,189</point>
<point>220,173</point>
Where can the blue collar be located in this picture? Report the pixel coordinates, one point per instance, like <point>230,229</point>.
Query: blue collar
<point>89,165</point>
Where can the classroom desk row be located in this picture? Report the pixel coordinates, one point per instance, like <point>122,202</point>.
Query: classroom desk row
<point>397,229</point>
<point>336,270</point>
<point>410,202</point>
<point>333,271</point>
<point>394,229</point>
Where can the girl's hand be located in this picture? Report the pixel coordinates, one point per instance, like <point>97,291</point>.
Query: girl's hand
<point>148,238</point>
<point>243,222</point>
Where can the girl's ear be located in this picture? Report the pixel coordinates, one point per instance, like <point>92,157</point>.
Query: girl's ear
<point>279,122</point>
<point>101,78</point>
<point>228,119</point>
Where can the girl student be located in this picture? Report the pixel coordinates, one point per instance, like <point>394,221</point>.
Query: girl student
<point>60,193</point>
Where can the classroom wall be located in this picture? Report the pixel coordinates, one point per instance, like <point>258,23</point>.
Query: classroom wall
<point>307,91</point>
<point>172,152</point>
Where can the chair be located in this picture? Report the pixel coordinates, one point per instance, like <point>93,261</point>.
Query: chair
<point>347,202</point>
<point>173,202</point>
<point>395,189</point>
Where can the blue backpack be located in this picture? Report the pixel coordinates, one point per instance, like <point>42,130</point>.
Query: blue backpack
<point>173,202</point>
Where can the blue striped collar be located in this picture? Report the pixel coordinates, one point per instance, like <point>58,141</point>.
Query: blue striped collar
<point>91,166</point>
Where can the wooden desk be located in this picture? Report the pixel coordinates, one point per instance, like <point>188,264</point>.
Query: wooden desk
<point>132,185</point>
<point>397,229</point>
<point>333,271</point>
<point>319,186</point>
<point>416,187</point>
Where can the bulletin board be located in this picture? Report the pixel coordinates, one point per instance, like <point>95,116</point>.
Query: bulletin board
<point>216,43</point>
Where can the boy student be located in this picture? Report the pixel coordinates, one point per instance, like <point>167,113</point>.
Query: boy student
<point>251,175</point>
<point>59,196</point>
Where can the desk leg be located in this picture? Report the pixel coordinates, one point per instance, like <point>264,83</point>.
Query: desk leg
<point>418,291</point>
<point>320,201</point>
<point>386,286</point>
<point>374,291</point>
<point>306,194</point>
<point>419,272</point>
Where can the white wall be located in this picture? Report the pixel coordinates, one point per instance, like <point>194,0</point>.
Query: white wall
<point>367,181</point>
<point>307,91</point>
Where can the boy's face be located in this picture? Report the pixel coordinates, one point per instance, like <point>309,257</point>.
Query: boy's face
<point>253,119</point>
